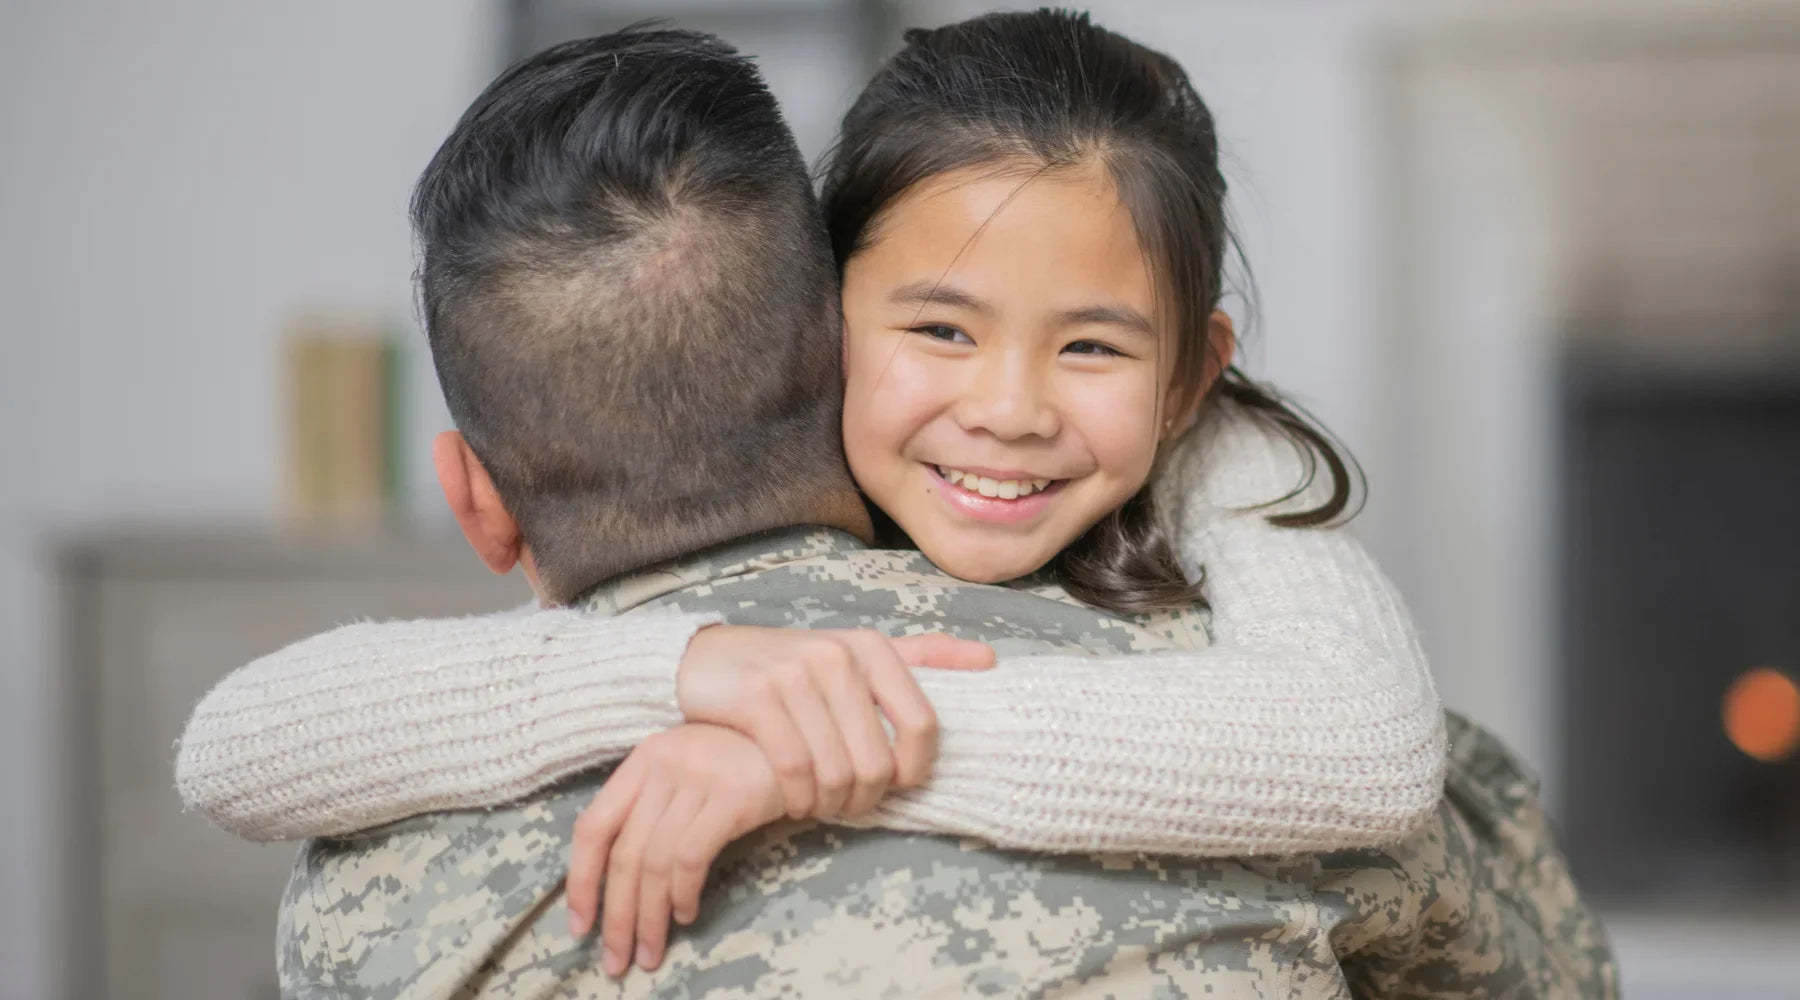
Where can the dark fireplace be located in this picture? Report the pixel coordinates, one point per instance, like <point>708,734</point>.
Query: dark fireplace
<point>1680,604</point>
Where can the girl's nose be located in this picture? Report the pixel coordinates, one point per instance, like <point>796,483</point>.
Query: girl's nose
<point>1008,398</point>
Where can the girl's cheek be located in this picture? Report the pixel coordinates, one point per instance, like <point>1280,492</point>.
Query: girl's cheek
<point>1120,426</point>
<point>885,403</point>
<point>901,383</point>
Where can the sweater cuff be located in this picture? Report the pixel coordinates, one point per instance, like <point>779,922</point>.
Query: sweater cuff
<point>614,682</point>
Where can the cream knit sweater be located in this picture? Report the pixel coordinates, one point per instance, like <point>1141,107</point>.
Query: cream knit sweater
<point>1310,723</point>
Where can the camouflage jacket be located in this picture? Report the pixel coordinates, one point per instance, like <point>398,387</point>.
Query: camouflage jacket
<point>468,904</point>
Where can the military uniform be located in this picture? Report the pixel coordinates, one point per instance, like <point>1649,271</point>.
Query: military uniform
<point>469,904</point>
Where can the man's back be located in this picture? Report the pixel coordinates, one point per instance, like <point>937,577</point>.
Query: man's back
<point>469,904</point>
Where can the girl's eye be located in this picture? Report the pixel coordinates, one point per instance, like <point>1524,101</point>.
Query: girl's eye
<point>939,331</point>
<point>1093,348</point>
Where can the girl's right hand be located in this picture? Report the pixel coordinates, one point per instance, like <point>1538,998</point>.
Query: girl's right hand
<point>651,834</point>
<point>809,700</point>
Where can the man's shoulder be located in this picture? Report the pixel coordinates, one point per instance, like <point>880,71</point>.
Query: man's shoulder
<point>901,592</point>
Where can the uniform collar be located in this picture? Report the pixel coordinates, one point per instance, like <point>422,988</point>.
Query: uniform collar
<point>749,554</point>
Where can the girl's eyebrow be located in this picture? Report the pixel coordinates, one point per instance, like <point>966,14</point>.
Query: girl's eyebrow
<point>928,293</point>
<point>1122,316</point>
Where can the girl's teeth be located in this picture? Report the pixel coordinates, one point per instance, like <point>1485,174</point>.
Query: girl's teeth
<point>1003,489</point>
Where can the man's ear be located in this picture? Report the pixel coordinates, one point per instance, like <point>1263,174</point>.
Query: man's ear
<point>469,490</point>
<point>1221,347</point>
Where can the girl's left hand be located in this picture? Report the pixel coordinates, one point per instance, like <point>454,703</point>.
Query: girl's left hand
<point>654,829</point>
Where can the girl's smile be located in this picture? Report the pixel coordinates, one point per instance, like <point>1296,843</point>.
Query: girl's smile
<point>994,496</point>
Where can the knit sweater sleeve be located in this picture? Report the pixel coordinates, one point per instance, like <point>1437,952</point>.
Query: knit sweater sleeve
<point>1310,722</point>
<point>376,721</point>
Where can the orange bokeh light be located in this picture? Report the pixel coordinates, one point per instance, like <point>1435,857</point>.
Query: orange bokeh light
<point>1762,714</point>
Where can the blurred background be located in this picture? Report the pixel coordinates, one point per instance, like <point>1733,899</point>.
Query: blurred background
<point>1537,263</point>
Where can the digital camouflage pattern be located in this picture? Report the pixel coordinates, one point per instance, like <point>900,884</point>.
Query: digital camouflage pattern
<point>821,578</point>
<point>469,904</point>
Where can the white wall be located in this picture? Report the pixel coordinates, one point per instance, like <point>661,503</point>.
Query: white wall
<point>1476,417</point>
<point>175,178</point>
<point>1292,89</point>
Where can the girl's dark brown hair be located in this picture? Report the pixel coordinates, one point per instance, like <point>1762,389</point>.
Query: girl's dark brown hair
<point>1048,89</point>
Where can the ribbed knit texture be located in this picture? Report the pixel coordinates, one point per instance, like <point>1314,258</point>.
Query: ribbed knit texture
<point>1309,724</point>
<point>376,721</point>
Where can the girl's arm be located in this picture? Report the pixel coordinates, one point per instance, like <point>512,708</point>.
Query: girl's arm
<point>377,721</point>
<point>1309,724</point>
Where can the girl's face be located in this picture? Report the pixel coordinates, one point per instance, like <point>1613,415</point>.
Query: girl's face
<point>1004,356</point>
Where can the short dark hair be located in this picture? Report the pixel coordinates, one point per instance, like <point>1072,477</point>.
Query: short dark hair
<point>631,303</point>
<point>1050,88</point>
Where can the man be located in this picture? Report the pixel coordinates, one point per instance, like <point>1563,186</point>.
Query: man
<point>467,904</point>
<point>631,310</point>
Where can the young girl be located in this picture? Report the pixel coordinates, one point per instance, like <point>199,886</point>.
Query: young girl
<point>1030,222</point>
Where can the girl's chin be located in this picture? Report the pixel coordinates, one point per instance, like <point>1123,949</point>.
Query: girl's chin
<point>971,565</point>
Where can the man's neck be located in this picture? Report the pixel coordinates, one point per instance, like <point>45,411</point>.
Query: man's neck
<point>838,510</point>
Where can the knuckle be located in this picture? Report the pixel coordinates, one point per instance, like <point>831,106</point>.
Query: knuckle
<point>829,654</point>
<point>793,766</point>
<point>916,726</point>
<point>793,673</point>
<point>894,671</point>
<point>762,686</point>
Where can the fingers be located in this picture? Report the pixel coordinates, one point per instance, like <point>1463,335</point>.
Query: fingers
<point>713,828</point>
<point>831,759</point>
<point>647,840</point>
<point>595,830</point>
<point>670,833</point>
<point>915,722</point>
<point>782,742</point>
<point>943,652</point>
<point>853,703</point>
<point>792,693</point>
<point>618,916</point>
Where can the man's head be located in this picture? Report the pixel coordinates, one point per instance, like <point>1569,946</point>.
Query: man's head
<point>632,308</point>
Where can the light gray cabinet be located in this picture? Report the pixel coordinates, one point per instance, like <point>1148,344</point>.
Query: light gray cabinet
<point>164,906</point>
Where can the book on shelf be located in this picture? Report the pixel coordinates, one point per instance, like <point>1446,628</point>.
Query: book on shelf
<point>344,378</point>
